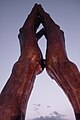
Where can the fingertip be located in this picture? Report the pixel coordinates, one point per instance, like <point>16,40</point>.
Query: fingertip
<point>40,6</point>
<point>42,11</point>
<point>33,14</point>
<point>34,7</point>
<point>35,4</point>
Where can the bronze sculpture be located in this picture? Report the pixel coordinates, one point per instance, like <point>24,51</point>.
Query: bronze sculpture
<point>15,95</point>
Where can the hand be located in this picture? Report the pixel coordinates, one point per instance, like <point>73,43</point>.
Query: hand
<point>55,52</point>
<point>28,40</point>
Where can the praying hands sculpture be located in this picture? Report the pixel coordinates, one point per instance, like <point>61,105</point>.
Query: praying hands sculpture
<point>15,95</point>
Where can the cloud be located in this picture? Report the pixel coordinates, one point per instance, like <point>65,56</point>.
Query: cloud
<point>56,116</point>
<point>38,105</point>
<point>50,118</point>
<point>52,115</point>
<point>48,106</point>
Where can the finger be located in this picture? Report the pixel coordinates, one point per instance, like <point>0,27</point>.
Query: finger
<point>45,17</point>
<point>38,22</point>
<point>63,38</point>
<point>40,34</point>
<point>47,20</point>
<point>30,21</point>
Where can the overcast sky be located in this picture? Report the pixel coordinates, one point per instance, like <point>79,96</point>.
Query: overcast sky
<point>47,96</point>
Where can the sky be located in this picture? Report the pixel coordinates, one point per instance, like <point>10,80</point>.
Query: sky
<point>47,100</point>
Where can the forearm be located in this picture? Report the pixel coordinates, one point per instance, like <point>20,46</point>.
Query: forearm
<point>17,90</point>
<point>67,76</point>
